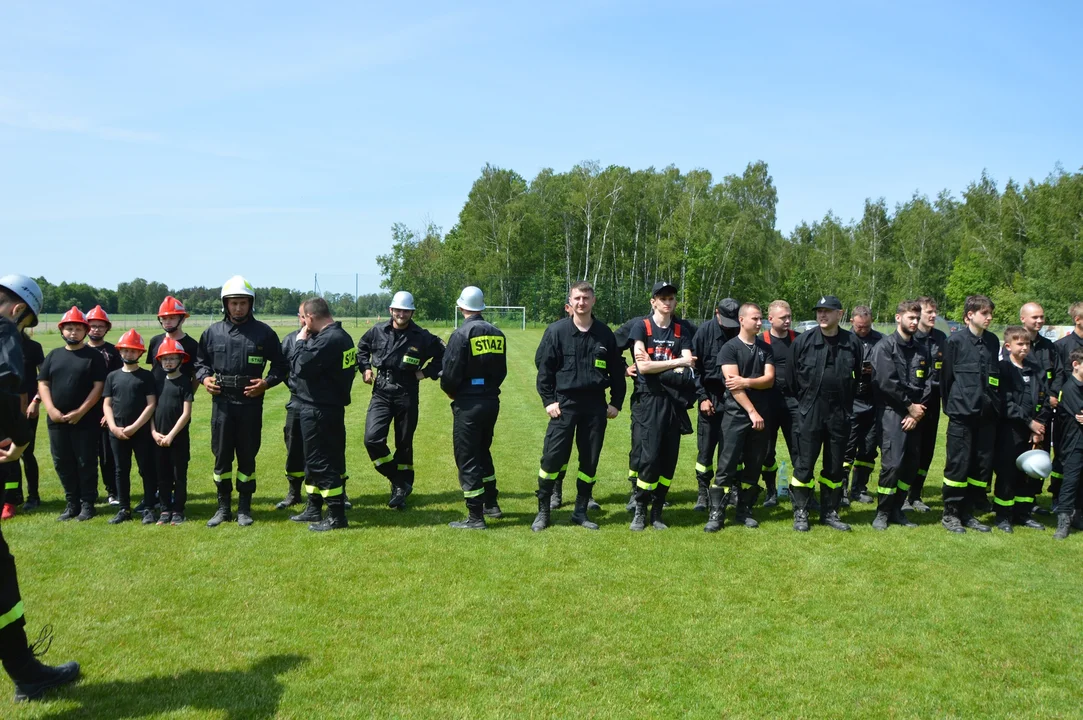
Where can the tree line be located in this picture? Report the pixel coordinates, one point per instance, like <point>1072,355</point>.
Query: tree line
<point>525,242</point>
<point>142,297</point>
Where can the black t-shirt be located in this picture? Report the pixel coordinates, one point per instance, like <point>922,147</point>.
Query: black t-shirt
<point>129,391</point>
<point>187,368</point>
<point>661,344</point>
<point>751,361</point>
<point>111,356</point>
<point>780,351</point>
<point>71,375</point>
<point>172,394</point>
<point>33,357</point>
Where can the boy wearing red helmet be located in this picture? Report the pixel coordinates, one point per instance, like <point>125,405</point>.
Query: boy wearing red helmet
<point>171,316</point>
<point>100,325</point>
<point>169,429</point>
<point>129,405</point>
<point>70,385</point>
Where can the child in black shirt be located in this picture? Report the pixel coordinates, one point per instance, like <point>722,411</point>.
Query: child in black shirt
<point>70,384</point>
<point>169,429</point>
<point>129,405</point>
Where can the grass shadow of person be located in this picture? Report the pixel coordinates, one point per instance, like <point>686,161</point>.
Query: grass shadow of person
<point>252,693</point>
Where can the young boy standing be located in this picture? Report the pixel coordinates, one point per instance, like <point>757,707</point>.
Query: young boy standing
<point>100,325</point>
<point>129,404</point>
<point>1070,441</point>
<point>1023,425</point>
<point>169,430</point>
<point>70,384</point>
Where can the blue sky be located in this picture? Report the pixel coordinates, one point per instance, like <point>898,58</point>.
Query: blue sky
<point>187,142</point>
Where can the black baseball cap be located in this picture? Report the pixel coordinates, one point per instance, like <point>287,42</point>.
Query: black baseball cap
<point>829,302</point>
<point>728,309</point>
<point>661,286</point>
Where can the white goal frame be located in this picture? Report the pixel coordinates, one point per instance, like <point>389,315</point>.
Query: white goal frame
<point>495,307</point>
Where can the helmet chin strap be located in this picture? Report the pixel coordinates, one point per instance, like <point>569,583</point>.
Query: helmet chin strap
<point>73,342</point>
<point>130,362</point>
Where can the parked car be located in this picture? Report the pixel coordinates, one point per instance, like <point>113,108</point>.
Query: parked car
<point>805,325</point>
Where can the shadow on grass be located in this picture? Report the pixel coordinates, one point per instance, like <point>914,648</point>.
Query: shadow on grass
<point>251,694</point>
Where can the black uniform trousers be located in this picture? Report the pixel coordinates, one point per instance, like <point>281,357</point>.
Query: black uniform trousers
<point>11,474</point>
<point>783,415</point>
<point>1014,490</point>
<point>901,457</point>
<point>14,650</point>
<point>107,462</point>
<point>709,444</point>
<point>473,421</point>
<point>384,409</point>
<point>75,456</point>
<point>1056,479</point>
<point>295,445</point>
<point>860,458</point>
<point>583,422</point>
<point>323,432</point>
<point>171,467</point>
<point>741,456</point>
<point>971,450</point>
<point>657,433</point>
<point>142,446</point>
<point>828,428</point>
<point>1069,497</point>
<point>928,429</point>
<point>236,432</point>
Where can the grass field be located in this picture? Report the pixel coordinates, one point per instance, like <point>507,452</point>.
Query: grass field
<point>401,616</point>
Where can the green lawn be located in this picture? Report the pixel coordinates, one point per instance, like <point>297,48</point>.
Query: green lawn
<point>401,616</point>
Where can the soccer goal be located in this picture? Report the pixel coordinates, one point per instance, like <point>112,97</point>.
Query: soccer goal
<point>501,315</point>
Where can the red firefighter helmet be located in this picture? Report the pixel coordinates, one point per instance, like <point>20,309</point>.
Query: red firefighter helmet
<point>98,314</point>
<point>171,306</point>
<point>75,315</point>
<point>132,341</point>
<point>170,346</point>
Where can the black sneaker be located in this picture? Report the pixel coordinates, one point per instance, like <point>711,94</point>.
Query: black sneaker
<point>1004,525</point>
<point>112,500</point>
<point>592,505</point>
<point>919,506</point>
<point>493,511</point>
<point>138,509</point>
<point>122,515</point>
<point>164,518</point>
<point>31,504</point>
<point>952,524</point>
<point>1032,524</point>
<point>177,519</point>
<point>148,516</point>
<point>70,511</point>
<point>771,501</point>
<point>43,678</point>
<point>86,512</point>
<point>972,523</point>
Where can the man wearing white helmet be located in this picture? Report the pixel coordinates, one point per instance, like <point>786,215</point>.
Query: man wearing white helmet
<point>230,363</point>
<point>396,355</point>
<point>20,303</point>
<point>475,364</point>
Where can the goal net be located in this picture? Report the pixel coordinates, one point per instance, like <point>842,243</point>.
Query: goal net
<point>503,316</point>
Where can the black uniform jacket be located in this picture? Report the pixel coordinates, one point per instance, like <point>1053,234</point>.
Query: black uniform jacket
<point>1025,393</point>
<point>573,364</point>
<point>808,363</point>
<point>13,423</point>
<point>1064,347</point>
<point>708,340</point>
<point>863,397</point>
<point>1070,437</point>
<point>901,370</point>
<point>322,367</point>
<point>970,378</point>
<point>397,355</point>
<point>475,360</point>
<point>240,350</point>
<point>934,342</point>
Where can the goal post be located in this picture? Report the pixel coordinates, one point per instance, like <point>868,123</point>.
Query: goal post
<point>504,313</point>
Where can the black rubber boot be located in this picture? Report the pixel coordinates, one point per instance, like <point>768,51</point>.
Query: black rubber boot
<point>771,483</point>
<point>703,481</point>
<point>556,499</point>
<point>244,509</point>
<point>293,495</point>
<point>475,518</point>
<point>716,520</point>
<point>544,494</point>
<point>799,497</point>
<point>225,500</point>
<point>746,500</point>
<point>336,517</point>
<point>630,506</point>
<point>582,497</point>
<point>1064,526</point>
<point>313,512</point>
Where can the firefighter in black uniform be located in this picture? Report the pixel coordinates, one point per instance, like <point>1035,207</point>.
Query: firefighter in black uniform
<point>711,393</point>
<point>1064,348</point>
<point>1043,353</point>
<point>783,414</point>
<point>748,366</point>
<point>475,365</point>
<point>577,360</point>
<point>230,362</point>
<point>403,353</point>
<point>20,303</point>
<point>860,458</point>
<point>933,339</point>
<point>322,365</point>
<point>291,431</point>
<point>970,383</point>
<point>822,370</point>
<point>900,373</point>
<point>665,377</point>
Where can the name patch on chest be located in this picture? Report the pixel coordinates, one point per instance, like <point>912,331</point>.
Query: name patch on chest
<point>255,359</point>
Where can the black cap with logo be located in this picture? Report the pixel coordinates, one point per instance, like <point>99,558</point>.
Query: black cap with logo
<point>829,302</point>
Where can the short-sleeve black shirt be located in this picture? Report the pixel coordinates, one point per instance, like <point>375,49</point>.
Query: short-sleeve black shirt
<point>129,391</point>
<point>71,375</point>
<point>187,368</point>
<point>33,357</point>
<point>661,344</point>
<point>751,363</point>
<point>172,394</point>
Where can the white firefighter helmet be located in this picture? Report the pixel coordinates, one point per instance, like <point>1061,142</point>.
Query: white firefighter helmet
<point>237,286</point>
<point>472,299</point>
<point>26,290</point>
<point>1035,463</point>
<point>402,301</point>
